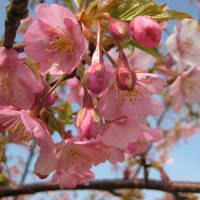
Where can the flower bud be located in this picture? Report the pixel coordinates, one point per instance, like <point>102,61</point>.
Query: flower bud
<point>126,78</point>
<point>96,79</point>
<point>87,123</point>
<point>118,29</point>
<point>145,31</point>
<point>95,75</point>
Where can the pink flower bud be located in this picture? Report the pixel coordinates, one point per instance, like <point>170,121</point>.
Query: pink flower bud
<point>87,123</point>
<point>95,75</point>
<point>126,78</point>
<point>118,29</point>
<point>146,31</point>
<point>96,79</point>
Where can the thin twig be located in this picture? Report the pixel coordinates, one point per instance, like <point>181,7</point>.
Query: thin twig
<point>30,157</point>
<point>27,166</point>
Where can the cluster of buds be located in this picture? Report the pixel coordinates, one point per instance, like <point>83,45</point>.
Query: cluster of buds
<point>143,29</point>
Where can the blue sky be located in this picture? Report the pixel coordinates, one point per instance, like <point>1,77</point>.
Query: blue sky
<point>186,161</point>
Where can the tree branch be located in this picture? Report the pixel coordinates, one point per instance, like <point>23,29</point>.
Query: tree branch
<point>16,11</point>
<point>188,187</point>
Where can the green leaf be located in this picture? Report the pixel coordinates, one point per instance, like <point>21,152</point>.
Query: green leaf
<point>126,10</point>
<point>171,14</point>
<point>65,114</point>
<point>52,123</point>
<point>70,5</point>
<point>80,3</point>
<point>147,50</point>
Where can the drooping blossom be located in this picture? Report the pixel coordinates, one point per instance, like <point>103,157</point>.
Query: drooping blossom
<point>138,102</point>
<point>55,40</point>
<point>77,156</point>
<point>183,45</point>
<point>146,31</point>
<point>18,85</point>
<point>118,29</point>
<point>125,112</point>
<point>70,180</point>
<point>73,156</point>
<point>22,127</point>
<point>95,75</point>
<point>186,88</point>
<point>143,141</point>
<point>110,153</point>
<point>45,164</point>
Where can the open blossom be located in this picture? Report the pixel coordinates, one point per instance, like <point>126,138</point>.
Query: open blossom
<point>125,112</point>
<point>45,164</point>
<point>77,156</point>
<point>183,45</point>
<point>145,31</point>
<point>70,180</point>
<point>143,141</point>
<point>55,40</point>
<point>186,88</point>
<point>138,102</point>
<point>22,127</point>
<point>18,85</point>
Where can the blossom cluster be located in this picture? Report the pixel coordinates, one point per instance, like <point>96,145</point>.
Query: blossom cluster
<point>115,90</point>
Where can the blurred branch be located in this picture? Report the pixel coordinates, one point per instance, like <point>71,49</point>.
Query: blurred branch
<point>30,157</point>
<point>16,11</point>
<point>27,166</point>
<point>107,185</point>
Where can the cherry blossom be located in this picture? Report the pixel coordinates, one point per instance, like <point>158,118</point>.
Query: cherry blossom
<point>143,141</point>
<point>55,40</point>
<point>77,156</point>
<point>70,180</point>
<point>22,127</point>
<point>183,44</point>
<point>18,85</point>
<point>185,88</point>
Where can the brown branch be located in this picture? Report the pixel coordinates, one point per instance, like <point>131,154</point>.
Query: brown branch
<point>16,11</point>
<point>187,187</point>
